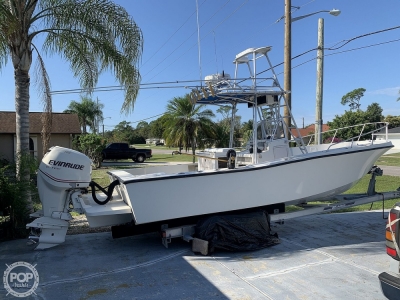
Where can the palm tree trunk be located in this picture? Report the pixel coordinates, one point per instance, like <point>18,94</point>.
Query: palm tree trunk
<point>84,126</point>
<point>22,82</point>
<point>194,149</point>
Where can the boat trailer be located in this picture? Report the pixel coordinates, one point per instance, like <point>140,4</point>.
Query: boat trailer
<point>339,202</point>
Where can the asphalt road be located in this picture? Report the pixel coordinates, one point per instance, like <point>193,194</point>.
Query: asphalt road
<point>333,256</point>
<point>390,170</point>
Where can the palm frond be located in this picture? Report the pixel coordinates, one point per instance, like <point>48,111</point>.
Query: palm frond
<point>43,86</point>
<point>94,35</point>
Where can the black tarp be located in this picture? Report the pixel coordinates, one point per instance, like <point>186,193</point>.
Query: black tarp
<point>241,232</point>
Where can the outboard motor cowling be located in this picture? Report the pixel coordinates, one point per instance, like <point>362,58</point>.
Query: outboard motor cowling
<point>61,169</point>
<point>61,172</point>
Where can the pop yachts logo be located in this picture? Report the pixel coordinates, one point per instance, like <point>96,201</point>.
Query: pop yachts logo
<point>21,279</point>
<point>58,163</point>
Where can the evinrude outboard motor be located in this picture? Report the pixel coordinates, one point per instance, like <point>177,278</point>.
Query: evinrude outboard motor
<point>61,173</point>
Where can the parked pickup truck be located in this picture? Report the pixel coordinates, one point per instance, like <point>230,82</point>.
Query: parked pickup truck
<point>122,151</point>
<point>390,281</point>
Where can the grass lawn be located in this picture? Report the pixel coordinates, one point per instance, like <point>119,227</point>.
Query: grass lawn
<point>100,175</point>
<point>389,160</point>
<point>172,158</point>
<point>161,158</point>
<point>384,183</point>
<point>153,146</point>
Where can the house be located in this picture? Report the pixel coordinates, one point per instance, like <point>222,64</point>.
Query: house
<point>150,141</point>
<point>393,136</point>
<point>64,128</point>
<point>307,131</point>
<point>310,129</point>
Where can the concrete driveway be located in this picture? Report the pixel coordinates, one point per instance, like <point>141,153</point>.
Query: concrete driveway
<point>334,256</point>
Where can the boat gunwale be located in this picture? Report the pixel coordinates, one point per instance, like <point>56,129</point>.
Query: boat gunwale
<point>260,166</point>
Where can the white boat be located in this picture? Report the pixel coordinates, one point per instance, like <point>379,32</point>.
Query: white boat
<point>279,172</point>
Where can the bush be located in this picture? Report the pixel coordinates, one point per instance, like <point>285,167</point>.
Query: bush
<point>14,194</point>
<point>332,140</point>
<point>91,145</point>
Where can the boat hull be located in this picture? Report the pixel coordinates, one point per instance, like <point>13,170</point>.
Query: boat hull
<point>315,176</point>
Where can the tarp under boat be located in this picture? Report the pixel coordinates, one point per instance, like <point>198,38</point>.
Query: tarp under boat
<point>240,232</point>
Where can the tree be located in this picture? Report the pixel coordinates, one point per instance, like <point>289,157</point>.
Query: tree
<point>353,98</point>
<point>221,137</point>
<point>398,99</point>
<point>88,112</point>
<point>123,132</point>
<point>93,36</point>
<point>143,129</point>
<point>372,114</point>
<point>157,127</point>
<point>246,130</point>
<point>226,112</point>
<point>185,122</point>
<point>393,121</point>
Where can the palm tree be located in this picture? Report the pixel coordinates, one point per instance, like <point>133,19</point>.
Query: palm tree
<point>92,35</point>
<point>185,122</point>
<point>88,112</point>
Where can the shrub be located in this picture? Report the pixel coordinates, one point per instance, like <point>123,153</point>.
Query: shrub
<point>332,140</point>
<point>91,145</point>
<point>13,197</point>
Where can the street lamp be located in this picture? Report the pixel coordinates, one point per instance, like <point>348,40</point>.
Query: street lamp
<point>287,83</point>
<point>333,12</point>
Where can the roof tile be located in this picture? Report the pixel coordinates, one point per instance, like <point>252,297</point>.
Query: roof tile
<point>62,122</point>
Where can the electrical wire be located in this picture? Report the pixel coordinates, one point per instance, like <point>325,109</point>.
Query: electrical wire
<point>340,52</point>
<point>200,39</point>
<point>176,48</point>
<point>143,86</point>
<point>176,31</point>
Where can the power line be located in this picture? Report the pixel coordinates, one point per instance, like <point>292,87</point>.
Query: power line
<point>142,86</point>
<point>173,51</point>
<point>347,41</point>
<point>248,36</point>
<point>152,117</point>
<point>120,88</point>
<point>340,52</point>
<point>176,31</point>
<point>200,39</point>
<point>203,36</point>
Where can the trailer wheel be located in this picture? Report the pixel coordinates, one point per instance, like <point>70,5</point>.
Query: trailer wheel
<point>140,158</point>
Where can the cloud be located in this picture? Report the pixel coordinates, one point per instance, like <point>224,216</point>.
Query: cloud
<point>394,91</point>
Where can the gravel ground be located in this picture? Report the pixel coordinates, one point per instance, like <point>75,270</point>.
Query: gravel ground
<point>79,225</point>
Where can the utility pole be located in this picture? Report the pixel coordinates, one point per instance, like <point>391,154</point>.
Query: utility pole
<point>320,82</point>
<point>287,83</point>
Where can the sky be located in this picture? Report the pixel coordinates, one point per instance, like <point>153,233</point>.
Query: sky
<point>227,27</point>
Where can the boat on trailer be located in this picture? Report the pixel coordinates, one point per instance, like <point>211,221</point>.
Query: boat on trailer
<point>273,170</point>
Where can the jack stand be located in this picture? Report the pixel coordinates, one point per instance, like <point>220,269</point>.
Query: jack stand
<point>375,171</point>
